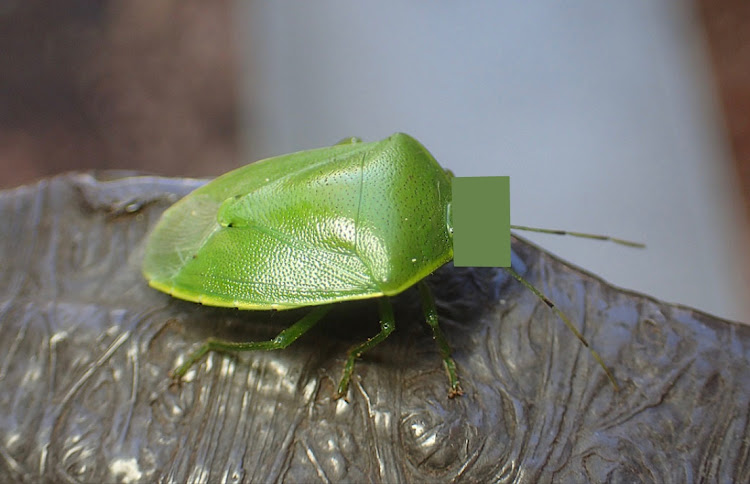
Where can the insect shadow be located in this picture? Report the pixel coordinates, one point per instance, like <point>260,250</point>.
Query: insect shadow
<point>462,295</point>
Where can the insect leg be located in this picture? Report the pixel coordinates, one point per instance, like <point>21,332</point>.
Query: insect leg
<point>282,340</point>
<point>565,319</point>
<point>387,325</point>
<point>430,313</point>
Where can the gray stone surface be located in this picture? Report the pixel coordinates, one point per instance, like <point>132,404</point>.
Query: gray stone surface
<point>86,348</point>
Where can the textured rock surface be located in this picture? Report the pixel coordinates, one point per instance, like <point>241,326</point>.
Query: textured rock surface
<point>87,346</point>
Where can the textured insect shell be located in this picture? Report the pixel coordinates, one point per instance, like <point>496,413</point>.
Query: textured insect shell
<point>351,221</point>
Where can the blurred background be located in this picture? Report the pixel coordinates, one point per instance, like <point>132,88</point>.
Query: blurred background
<point>629,119</point>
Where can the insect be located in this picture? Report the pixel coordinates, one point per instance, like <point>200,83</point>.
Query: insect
<point>351,221</point>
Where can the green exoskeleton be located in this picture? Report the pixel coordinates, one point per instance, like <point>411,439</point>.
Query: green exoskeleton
<point>351,221</point>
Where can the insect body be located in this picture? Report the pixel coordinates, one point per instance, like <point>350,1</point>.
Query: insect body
<point>351,221</point>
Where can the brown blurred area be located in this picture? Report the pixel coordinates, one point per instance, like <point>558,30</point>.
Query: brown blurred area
<point>116,84</point>
<point>727,27</point>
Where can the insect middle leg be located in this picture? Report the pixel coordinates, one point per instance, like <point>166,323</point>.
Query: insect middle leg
<point>387,325</point>
<point>282,340</point>
<point>430,313</point>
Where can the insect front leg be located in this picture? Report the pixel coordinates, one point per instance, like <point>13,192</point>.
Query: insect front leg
<point>387,325</point>
<point>282,340</point>
<point>431,316</point>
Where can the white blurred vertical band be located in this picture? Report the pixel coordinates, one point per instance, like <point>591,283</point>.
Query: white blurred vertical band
<point>602,113</point>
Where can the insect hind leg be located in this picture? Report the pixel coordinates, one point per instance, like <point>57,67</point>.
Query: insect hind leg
<point>282,340</point>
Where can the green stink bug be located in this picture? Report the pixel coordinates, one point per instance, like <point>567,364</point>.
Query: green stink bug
<point>351,221</point>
